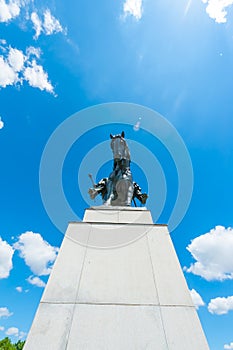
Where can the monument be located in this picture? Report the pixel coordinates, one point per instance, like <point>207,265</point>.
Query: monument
<point>117,283</point>
<point>119,189</point>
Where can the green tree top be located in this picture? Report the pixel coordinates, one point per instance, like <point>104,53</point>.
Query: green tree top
<point>6,344</point>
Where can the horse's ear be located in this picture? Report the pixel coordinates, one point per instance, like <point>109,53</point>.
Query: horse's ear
<point>123,134</point>
<point>111,136</point>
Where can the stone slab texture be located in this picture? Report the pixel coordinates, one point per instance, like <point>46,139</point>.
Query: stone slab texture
<point>116,284</point>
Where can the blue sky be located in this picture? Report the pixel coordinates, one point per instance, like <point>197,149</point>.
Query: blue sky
<point>57,58</point>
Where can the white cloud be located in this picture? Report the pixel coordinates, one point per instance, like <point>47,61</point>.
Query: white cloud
<point>17,67</point>
<point>2,328</point>
<point>12,331</point>
<point>15,332</point>
<point>4,312</point>
<point>213,254</point>
<point>216,9</point>
<point>10,66</point>
<point>22,335</point>
<point>9,10</point>
<point>19,289</point>
<point>7,74</point>
<point>37,77</point>
<point>1,123</point>
<point>37,24</point>
<point>197,299</point>
<point>133,8</point>
<point>220,306</point>
<point>36,281</point>
<point>49,25</point>
<point>33,51</point>
<point>44,22</point>
<point>16,59</point>
<point>6,253</point>
<point>228,346</point>
<point>38,254</point>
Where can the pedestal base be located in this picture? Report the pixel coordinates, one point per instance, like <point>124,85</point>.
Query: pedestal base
<point>133,296</point>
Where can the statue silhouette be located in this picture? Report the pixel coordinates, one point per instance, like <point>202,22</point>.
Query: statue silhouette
<point>118,189</point>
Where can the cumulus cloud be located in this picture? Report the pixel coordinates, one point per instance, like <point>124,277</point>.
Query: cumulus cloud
<point>37,24</point>
<point>37,77</point>
<point>213,254</point>
<point>7,74</point>
<point>197,299</point>
<point>33,51</point>
<point>19,289</point>
<point>2,42</point>
<point>216,9</point>
<point>12,331</point>
<point>16,59</point>
<point>51,24</point>
<point>9,10</point>
<point>220,306</point>
<point>15,332</point>
<point>4,312</point>
<point>1,123</point>
<point>38,254</point>
<point>6,254</point>
<point>228,346</point>
<point>48,24</point>
<point>2,328</point>
<point>36,281</point>
<point>17,67</point>
<point>133,8</point>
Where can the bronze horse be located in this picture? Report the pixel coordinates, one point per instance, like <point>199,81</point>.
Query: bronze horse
<point>119,189</point>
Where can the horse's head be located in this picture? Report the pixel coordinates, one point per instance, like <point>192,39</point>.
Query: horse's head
<point>119,146</point>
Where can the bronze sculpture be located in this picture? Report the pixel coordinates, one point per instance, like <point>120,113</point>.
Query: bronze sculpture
<point>118,189</point>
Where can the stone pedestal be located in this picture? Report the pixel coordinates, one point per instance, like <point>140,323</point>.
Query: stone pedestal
<point>116,284</point>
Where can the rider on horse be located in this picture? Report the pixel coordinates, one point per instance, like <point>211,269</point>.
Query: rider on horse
<point>119,188</point>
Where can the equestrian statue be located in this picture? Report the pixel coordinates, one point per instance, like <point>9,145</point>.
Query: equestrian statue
<point>118,189</point>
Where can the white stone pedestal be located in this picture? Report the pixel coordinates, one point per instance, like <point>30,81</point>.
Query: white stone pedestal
<point>130,296</point>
